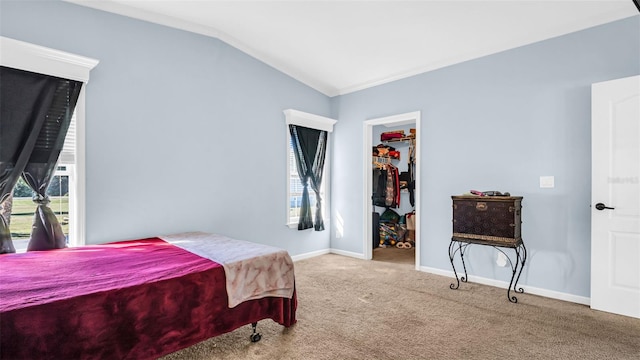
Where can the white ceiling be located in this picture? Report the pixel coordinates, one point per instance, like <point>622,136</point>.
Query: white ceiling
<point>339,47</point>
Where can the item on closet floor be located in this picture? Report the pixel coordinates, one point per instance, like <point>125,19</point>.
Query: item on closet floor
<point>404,245</point>
<point>411,226</point>
<point>410,236</point>
<point>389,216</point>
<point>388,235</point>
<point>376,229</point>
<point>411,220</point>
<point>391,232</point>
<point>401,229</point>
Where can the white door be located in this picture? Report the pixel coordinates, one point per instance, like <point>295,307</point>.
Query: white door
<point>615,196</point>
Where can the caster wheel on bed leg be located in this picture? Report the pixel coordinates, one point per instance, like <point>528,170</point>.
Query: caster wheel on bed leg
<point>255,337</point>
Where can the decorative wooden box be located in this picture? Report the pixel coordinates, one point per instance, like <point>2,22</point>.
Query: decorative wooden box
<point>490,220</point>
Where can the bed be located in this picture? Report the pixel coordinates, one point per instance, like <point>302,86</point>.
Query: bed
<point>139,299</point>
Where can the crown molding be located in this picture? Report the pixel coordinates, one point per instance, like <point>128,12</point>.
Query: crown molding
<point>546,33</point>
<point>169,21</point>
<point>331,91</point>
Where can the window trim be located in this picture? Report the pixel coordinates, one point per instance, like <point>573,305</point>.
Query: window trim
<point>296,117</point>
<point>29,57</point>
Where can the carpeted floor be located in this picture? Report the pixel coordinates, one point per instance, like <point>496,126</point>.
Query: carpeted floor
<point>395,255</point>
<point>356,309</point>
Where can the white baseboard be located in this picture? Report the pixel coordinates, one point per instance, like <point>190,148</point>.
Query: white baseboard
<point>472,278</point>
<point>503,284</point>
<point>347,253</point>
<point>310,255</point>
<point>326,251</point>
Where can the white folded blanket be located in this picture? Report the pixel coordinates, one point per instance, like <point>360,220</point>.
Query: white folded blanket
<point>252,271</point>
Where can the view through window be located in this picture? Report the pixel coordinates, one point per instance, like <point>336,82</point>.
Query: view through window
<point>295,190</point>
<point>20,209</point>
<point>67,190</point>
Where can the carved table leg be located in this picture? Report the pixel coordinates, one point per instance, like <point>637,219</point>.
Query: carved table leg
<point>452,252</point>
<point>521,257</point>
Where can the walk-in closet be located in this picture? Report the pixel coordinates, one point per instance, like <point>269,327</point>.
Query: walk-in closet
<point>393,166</point>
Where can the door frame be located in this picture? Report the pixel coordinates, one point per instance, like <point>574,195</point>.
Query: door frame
<point>367,206</point>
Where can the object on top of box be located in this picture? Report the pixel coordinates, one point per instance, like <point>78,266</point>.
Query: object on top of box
<point>489,193</point>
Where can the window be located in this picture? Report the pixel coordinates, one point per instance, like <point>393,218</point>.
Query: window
<point>294,186</point>
<point>66,175</point>
<point>70,171</point>
<point>295,190</point>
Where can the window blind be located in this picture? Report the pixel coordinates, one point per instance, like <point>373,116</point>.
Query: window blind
<point>68,153</point>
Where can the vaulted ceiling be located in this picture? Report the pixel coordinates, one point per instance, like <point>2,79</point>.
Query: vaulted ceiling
<point>339,47</point>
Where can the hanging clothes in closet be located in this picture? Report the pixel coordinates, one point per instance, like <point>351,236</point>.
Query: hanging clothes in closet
<point>379,185</point>
<point>386,186</point>
<point>412,172</point>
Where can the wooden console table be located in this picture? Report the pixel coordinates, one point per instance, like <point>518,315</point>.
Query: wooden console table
<point>488,220</point>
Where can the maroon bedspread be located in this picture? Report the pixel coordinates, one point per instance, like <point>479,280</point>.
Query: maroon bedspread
<point>129,300</point>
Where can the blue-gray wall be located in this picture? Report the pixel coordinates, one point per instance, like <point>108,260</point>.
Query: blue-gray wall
<point>183,132</point>
<point>498,123</point>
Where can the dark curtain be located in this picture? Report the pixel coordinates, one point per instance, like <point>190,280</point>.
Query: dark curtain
<point>35,112</point>
<point>310,147</point>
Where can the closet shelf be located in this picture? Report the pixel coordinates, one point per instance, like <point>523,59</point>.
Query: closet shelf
<point>402,139</point>
<point>382,159</point>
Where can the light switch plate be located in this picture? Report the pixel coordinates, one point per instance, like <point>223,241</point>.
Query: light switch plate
<point>547,181</point>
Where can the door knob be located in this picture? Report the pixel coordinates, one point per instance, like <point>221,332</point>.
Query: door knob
<point>601,206</point>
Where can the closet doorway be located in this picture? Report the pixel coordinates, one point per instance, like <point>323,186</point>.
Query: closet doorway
<point>371,127</point>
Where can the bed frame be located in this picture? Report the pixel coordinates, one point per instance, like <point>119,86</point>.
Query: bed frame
<point>138,299</point>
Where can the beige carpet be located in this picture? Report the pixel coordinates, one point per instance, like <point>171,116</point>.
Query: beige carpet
<point>356,309</point>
